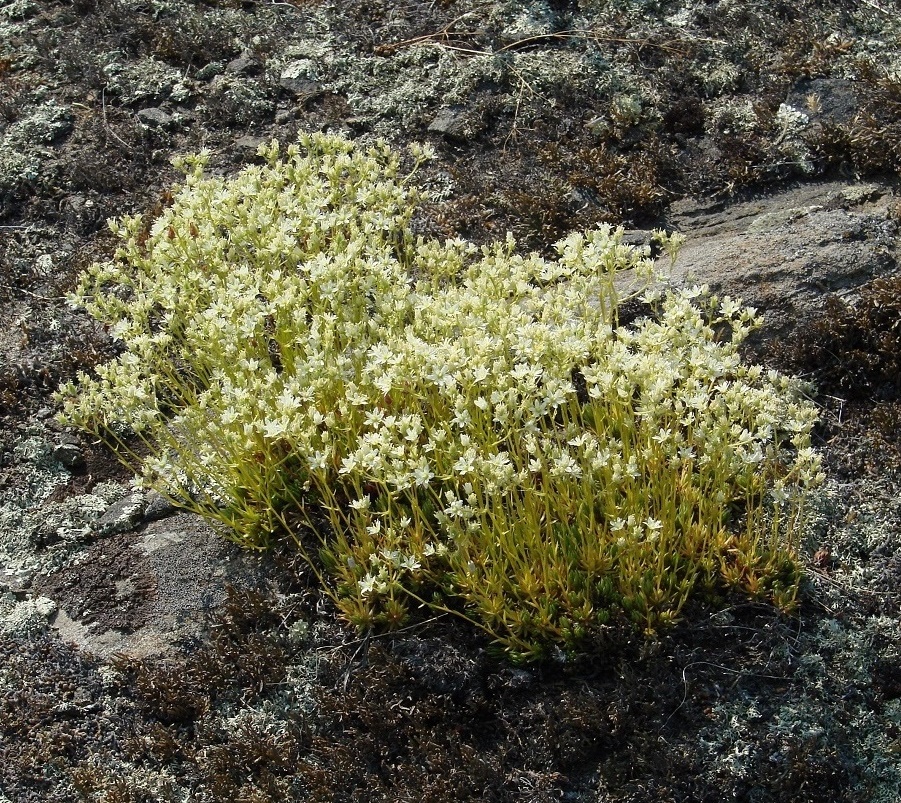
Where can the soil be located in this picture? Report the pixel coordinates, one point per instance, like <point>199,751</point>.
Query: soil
<point>144,657</point>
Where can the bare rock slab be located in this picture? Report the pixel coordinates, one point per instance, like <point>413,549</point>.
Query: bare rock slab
<point>141,594</point>
<point>784,252</point>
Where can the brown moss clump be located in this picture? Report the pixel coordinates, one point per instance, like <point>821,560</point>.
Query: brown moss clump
<point>854,349</point>
<point>421,720</point>
<point>869,143</point>
<point>243,652</point>
<point>48,716</point>
<point>852,352</point>
<point>172,705</point>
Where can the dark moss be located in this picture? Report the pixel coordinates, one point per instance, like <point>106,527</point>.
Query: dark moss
<point>854,348</point>
<point>50,715</point>
<point>869,143</point>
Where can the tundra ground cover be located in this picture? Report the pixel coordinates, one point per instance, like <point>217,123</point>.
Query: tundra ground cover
<point>632,112</point>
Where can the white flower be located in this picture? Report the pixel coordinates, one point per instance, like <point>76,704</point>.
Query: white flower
<point>455,509</point>
<point>418,365</point>
<point>367,585</point>
<point>391,556</point>
<point>422,474</point>
<point>466,463</point>
<point>565,465</point>
<point>273,428</point>
<point>410,563</point>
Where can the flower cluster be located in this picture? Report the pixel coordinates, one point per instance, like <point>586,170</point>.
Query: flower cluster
<point>461,427</point>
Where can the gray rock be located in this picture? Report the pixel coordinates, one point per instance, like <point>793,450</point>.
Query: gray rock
<point>248,145</point>
<point>244,65</point>
<point>784,252</point>
<point>158,507</point>
<point>155,118</point>
<point>456,123</point>
<point>121,516</point>
<point>191,566</point>
<point>638,238</point>
<point>79,209</point>
<point>856,195</point>
<point>70,455</point>
<point>301,88</point>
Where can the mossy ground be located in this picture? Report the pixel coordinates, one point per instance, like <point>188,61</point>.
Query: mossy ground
<point>547,116</point>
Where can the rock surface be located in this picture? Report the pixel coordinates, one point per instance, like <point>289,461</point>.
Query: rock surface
<point>785,251</point>
<point>158,588</point>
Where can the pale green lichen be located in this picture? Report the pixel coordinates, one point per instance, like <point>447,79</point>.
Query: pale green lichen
<point>828,714</point>
<point>26,618</point>
<point>146,80</point>
<point>28,519</point>
<point>23,150</point>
